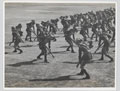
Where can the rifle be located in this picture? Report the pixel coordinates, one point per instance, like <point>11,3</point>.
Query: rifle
<point>98,47</point>
<point>50,52</point>
<point>77,43</point>
<point>17,33</point>
<point>20,39</point>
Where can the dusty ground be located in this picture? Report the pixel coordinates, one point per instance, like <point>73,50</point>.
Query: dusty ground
<point>21,71</point>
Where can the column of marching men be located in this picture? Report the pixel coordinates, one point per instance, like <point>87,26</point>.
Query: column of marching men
<point>100,23</point>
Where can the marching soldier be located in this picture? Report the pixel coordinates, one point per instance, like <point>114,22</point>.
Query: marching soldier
<point>42,46</point>
<point>84,57</point>
<point>13,35</point>
<point>106,44</point>
<point>17,40</point>
<point>30,28</point>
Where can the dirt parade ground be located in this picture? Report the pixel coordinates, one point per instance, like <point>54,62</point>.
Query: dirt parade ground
<point>25,70</point>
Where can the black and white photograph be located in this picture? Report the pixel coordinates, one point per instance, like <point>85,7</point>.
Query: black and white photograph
<point>59,45</point>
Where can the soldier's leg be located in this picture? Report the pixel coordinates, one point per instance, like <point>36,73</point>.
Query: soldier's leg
<point>10,43</point>
<point>83,71</point>
<point>26,38</point>
<point>15,47</point>
<point>68,41</point>
<point>71,46</point>
<point>45,56</point>
<point>30,37</point>
<point>38,57</point>
<point>72,50</point>
<point>111,59</point>
<point>86,73</point>
<point>15,50</point>
<point>82,64</point>
<point>102,54</point>
<point>20,50</point>
<point>18,47</point>
<point>12,40</point>
<point>68,48</point>
<point>113,37</point>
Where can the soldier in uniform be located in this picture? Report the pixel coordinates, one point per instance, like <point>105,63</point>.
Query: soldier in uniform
<point>106,44</point>
<point>84,57</point>
<point>30,28</point>
<point>17,41</point>
<point>94,30</point>
<point>44,37</point>
<point>13,35</point>
<point>67,34</point>
<point>68,39</point>
<point>42,46</point>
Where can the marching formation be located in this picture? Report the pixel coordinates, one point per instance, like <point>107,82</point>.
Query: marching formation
<point>96,26</point>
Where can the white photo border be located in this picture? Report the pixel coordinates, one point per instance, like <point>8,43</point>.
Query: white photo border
<point>2,41</point>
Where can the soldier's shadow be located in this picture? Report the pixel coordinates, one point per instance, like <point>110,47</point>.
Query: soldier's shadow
<point>61,78</point>
<point>92,61</point>
<point>100,61</point>
<point>70,62</point>
<point>63,46</point>
<point>24,63</point>
<point>59,52</point>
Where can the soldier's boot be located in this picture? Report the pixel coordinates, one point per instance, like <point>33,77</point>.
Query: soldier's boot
<point>15,50</point>
<point>46,61</point>
<point>20,51</point>
<point>81,73</point>
<point>72,50</point>
<point>30,39</point>
<point>87,75</point>
<point>26,38</point>
<point>102,57</point>
<point>39,56</point>
<point>111,59</point>
<point>68,49</point>
<point>45,58</point>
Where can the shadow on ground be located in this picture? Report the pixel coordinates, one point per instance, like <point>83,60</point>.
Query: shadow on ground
<point>61,78</point>
<point>59,52</point>
<point>93,61</point>
<point>24,63</point>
